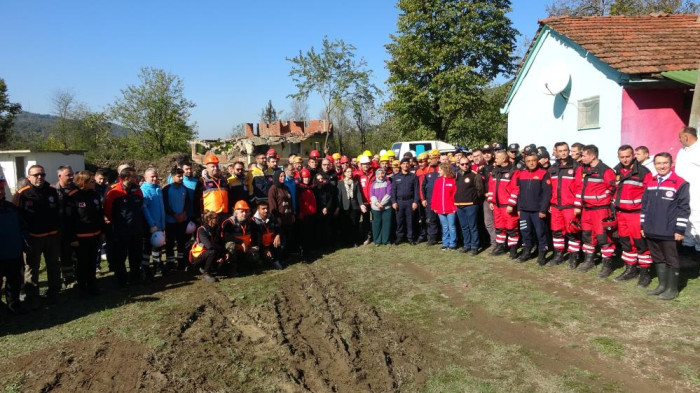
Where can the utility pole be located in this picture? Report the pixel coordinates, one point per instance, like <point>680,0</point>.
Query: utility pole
<point>695,107</point>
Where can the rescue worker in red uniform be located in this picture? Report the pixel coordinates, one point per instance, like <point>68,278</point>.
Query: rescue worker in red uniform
<point>534,189</point>
<point>665,214</point>
<point>503,201</point>
<point>631,177</point>
<point>562,206</point>
<point>594,184</point>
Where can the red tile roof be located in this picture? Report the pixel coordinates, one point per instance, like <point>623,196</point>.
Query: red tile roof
<point>636,44</point>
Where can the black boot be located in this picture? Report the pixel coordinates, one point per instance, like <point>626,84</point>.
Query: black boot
<point>630,272</point>
<point>588,263</point>
<point>500,249</point>
<point>671,291</point>
<point>513,252</point>
<point>573,260</point>
<point>644,277</point>
<point>525,256</point>
<point>542,257</point>
<point>607,268</point>
<point>662,274</point>
<point>557,259</point>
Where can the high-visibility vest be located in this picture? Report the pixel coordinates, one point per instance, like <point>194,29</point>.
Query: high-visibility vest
<point>268,237</point>
<point>245,238</point>
<point>197,249</point>
<point>214,199</point>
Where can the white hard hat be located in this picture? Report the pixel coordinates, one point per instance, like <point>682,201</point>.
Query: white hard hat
<point>382,152</point>
<point>364,159</point>
<point>157,239</point>
<point>191,227</point>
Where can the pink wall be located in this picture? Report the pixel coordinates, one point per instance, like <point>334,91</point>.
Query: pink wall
<point>653,117</point>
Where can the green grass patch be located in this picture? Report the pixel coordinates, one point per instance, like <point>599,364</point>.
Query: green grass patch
<point>608,346</point>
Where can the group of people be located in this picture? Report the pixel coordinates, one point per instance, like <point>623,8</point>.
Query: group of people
<point>522,203</point>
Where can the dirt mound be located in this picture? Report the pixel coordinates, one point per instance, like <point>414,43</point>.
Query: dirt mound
<point>312,335</point>
<point>95,365</point>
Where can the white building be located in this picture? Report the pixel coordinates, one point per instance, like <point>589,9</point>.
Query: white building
<point>14,163</point>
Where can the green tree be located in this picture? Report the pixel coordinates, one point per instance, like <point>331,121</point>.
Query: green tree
<point>156,112</point>
<point>619,7</point>
<point>268,114</point>
<point>333,74</point>
<point>485,123</point>
<point>445,53</point>
<point>8,110</point>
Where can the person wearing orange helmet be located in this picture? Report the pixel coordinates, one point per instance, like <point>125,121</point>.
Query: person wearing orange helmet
<point>212,192</point>
<point>237,233</point>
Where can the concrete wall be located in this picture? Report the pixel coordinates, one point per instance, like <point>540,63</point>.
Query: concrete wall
<point>543,119</point>
<point>653,117</point>
<point>49,160</point>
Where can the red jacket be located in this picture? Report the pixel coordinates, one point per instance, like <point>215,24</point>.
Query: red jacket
<point>503,186</point>
<point>307,201</point>
<point>443,200</point>
<point>365,180</point>
<point>630,187</point>
<point>595,186</point>
<point>563,176</point>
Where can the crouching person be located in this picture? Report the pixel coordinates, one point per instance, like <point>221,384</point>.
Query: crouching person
<point>267,236</point>
<point>237,232</point>
<point>207,253</point>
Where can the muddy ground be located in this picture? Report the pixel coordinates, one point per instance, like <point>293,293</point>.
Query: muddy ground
<point>342,324</point>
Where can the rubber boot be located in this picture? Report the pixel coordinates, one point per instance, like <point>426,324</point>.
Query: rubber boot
<point>557,258</point>
<point>631,271</point>
<point>662,274</point>
<point>671,291</point>
<point>607,268</point>
<point>573,260</point>
<point>542,257</point>
<point>513,252</point>
<point>500,249</point>
<point>644,277</point>
<point>525,256</point>
<point>588,263</point>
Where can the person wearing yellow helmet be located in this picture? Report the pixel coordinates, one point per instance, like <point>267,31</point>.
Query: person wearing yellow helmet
<point>384,164</point>
<point>367,153</point>
<point>429,178</point>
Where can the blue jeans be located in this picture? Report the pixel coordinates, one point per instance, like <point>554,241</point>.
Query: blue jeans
<point>467,221</point>
<point>449,230</point>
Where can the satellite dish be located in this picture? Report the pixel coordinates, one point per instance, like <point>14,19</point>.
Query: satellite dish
<point>554,79</point>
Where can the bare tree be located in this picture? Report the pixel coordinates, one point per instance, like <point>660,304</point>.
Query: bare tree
<point>299,110</point>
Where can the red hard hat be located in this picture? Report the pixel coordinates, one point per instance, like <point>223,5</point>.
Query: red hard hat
<point>330,158</point>
<point>314,154</point>
<point>271,153</point>
<point>305,173</point>
<point>574,226</point>
<point>344,160</point>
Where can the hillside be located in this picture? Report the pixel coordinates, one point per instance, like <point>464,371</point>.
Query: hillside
<point>40,125</point>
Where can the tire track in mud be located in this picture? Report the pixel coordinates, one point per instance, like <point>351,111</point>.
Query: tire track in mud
<point>311,335</point>
<point>546,350</point>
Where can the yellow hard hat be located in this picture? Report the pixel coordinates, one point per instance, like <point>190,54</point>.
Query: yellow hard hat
<point>435,153</point>
<point>390,153</point>
<point>422,156</point>
<point>367,153</point>
<point>383,158</point>
<point>336,156</point>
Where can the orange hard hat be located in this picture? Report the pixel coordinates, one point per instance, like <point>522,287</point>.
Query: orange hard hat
<point>241,205</point>
<point>211,159</point>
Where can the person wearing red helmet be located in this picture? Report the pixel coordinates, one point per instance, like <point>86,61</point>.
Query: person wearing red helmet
<point>306,212</point>
<point>312,164</point>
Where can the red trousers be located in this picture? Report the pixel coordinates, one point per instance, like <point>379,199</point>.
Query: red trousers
<point>633,246</point>
<point>593,233</point>
<point>506,225</point>
<point>560,223</point>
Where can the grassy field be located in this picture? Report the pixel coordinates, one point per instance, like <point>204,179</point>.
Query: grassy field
<point>392,318</point>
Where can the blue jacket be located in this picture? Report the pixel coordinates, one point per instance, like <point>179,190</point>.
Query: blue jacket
<point>291,183</point>
<point>175,200</point>
<point>11,231</point>
<point>191,183</point>
<point>153,207</point>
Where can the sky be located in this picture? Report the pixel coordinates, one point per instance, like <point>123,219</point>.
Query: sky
<point>229,54</point>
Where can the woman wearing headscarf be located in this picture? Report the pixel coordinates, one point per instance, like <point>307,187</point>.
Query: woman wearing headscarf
<point>350,207</point>
<point>280,200</point>
<point>443,203</point>
<point>382,212</point>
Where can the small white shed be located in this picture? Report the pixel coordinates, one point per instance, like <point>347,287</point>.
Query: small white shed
<point>15,163</point>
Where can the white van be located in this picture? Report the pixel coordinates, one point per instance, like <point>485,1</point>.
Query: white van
<point>417,147</point>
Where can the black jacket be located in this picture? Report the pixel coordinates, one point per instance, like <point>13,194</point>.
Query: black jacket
<point>88,218</point>
<point>470,188</point>
<point>344,202</point>
<point>39,208</point>
<point>404,188</point>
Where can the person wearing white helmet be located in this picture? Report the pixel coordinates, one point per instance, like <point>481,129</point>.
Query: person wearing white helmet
<point>177,205</point>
